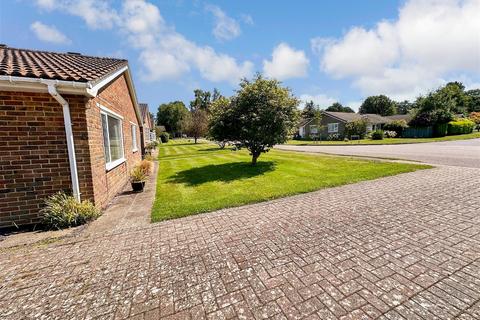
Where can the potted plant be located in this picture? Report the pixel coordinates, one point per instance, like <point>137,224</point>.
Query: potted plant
<point>138,177</point>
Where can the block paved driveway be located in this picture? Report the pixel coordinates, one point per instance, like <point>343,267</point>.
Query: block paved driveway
<point>402,247</point>
<point>465,153</point>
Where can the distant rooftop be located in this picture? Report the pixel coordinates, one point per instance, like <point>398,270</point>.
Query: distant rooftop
<point>70,66</point>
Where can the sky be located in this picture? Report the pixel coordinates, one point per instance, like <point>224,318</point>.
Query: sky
<point>325,51</point>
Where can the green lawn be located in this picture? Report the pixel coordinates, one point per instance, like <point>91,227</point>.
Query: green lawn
<point>200,178</point>
<point>387,140</point>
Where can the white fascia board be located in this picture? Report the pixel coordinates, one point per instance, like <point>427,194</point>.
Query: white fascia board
<point>93,90</point>
<point>39,85</point>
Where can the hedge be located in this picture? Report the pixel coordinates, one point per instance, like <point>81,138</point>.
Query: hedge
<point>460,126</point>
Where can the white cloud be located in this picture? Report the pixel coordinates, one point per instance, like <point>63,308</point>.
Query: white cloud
<point>286,63</point>
<point>96,14</point>
<point>163,52</point>
<point>226,28</point>
<point>48,33</point>
<point>320,99</point>
<point>429,42</point>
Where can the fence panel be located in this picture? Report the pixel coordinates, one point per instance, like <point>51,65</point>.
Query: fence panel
<point>425,132</point>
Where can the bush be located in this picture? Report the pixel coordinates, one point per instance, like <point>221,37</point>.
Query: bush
<point>334,137</point>
<point>377,135</point>
<point>397,125</point>
<point>356,128</point>
<point>164,137</point>
<point>138,174</point>
<point>390,134</point>
<point>64,211</point>
<point>146,166</point>
<point>440,129</point>
<point>149,157</point>
<point>460,126</point>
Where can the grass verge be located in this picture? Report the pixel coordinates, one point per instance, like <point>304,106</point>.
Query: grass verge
<point>200,178</point>
<point>473,135</point>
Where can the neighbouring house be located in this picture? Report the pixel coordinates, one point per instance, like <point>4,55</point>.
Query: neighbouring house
<point>67,122</point>
<point>333,123</point>
<point>148,134</point>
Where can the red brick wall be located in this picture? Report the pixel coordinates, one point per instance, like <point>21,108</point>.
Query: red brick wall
<point>116,98</point>
<point>33,153</point>
<point>33,150</point>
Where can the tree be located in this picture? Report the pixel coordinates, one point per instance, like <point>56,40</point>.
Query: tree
<point>260,115</point>
<point>474,97</point>
<point>197,123</point>
<point>453,93</point>
<point>381,105</point>
<point>202,100</point>
<point>405,107</point>
<point>172,115</point>
<point>431,111</point>
<point>220,126</point>
<point>475,117</point>
<point>338,107</point>
<point>309,110</point>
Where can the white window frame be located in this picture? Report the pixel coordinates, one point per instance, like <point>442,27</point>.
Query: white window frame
<point>333,127</point>
<point>313,129</point>
<point>108,113</point>
<point>133,129</point>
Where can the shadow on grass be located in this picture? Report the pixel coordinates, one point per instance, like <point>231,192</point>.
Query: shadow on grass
<point>226,172</point>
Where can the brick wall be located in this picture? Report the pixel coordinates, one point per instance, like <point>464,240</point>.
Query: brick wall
<point>33,153</point>
<point>116,98</point>
<point>33,150</point>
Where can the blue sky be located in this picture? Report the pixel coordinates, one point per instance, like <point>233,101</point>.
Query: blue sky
<point>324,50</point>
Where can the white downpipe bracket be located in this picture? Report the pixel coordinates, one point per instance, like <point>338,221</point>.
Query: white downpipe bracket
<point>69,135</point>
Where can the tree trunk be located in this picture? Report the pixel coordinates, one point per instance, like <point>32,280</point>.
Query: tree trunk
<point>195,137</point>
<point>254,158</point>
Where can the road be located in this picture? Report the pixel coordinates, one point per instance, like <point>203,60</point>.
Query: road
<point>461,153</point>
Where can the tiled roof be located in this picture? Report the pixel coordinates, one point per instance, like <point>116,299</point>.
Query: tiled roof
<point>349,117</point>
<point>56,66</point>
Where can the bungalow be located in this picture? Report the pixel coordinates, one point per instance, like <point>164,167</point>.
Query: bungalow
<point>148,124</point>
<point>334,123</point>
<point>67,122</point>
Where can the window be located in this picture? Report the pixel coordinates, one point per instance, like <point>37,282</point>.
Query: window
<point>134,137</point>
<point>332,127</point>
<point>313,129</point>
<point>112,138</point>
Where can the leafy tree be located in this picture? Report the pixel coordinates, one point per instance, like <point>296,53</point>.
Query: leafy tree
<point>338,107</point>
<point>260,115</point>
<point>431,110</point>
<point>201,101</point>
<point>172,115</point>
<point>196,124</point>
<point>405,107</point>
<point>453,94</point>
<point>309,110</point>
<point>220,126</point>
<point>474,97</point>
<point>381,105</point>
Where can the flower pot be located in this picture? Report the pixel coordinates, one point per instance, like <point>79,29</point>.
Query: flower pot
<point>138,186</point>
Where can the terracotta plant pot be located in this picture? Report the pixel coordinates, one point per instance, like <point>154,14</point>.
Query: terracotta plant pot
<point>138,186</point>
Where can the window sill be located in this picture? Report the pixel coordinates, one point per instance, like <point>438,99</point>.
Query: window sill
<point>134,150</point>
<point>111,165</point>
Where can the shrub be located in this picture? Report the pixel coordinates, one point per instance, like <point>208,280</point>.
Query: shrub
<point>390,134</point>
<point>164,137</point>
<point>146,166</point>
<point>356,128</point>
<point>440,129</point>
<point>397,125</point>
<point>460,126</point>
<point>149,157</point>
<point>138,174</point>
<point>377,135</point>
<point>475,117</point>
<point>64,211</point>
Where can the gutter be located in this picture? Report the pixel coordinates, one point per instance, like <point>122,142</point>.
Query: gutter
<point>52,89</point>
